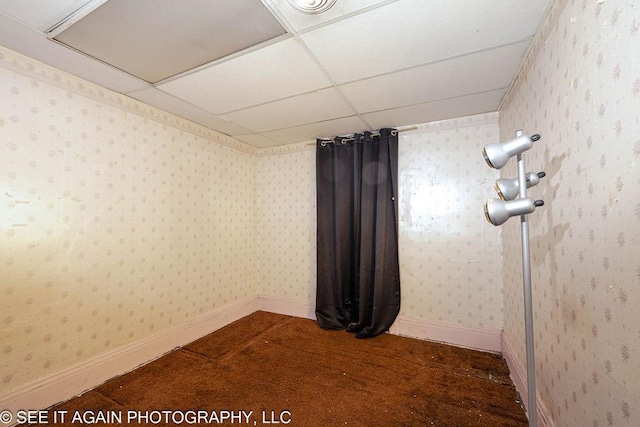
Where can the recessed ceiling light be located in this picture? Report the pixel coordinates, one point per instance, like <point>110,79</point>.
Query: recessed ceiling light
<point>311,6</point>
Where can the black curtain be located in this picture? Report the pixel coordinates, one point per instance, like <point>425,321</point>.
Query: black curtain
<point>358,273</point>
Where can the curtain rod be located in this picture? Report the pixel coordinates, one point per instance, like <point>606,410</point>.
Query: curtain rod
<point>331,141</point>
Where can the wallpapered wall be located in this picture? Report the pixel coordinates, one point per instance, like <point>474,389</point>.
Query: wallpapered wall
<point>450,262</point>
<point>288,224</point>
<point>113,225</point>
<point>580,89</point>
<point>120,220</point>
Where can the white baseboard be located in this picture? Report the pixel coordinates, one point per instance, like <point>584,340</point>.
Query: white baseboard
<point>448,333</point>
<point>461,336</point>
<point>290,307</point>
<point>72,381</point>
<point>519,378</point>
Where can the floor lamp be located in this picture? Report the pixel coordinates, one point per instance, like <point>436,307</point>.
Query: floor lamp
<point>498,211</point>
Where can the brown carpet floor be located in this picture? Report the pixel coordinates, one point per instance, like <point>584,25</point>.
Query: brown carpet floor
<point>288,371</point>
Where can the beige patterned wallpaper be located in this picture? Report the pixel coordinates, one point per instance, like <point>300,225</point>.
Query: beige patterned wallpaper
<point>115,223</point>
<point>119,220</point>
<point>288,223</point>
<point>580,90</point>
<point>450,262</point>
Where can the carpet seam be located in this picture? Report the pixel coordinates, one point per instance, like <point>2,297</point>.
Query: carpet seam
<point>238,348</point>
<point>109,398</point>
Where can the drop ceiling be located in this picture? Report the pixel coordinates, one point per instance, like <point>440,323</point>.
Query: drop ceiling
<point>268,75</point>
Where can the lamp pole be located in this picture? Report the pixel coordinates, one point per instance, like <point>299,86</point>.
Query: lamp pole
<point>528,306</point>
<point>497,212</point>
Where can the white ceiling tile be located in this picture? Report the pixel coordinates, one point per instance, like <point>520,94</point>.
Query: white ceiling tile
<point>40,14</point>
<point>156,39</point>
<point>273,72</point>
<point>257,140</point>
<point>479,72</point>
<point>438,110</point>
<point>412,32</point>
<point>423,59</point>
<point>181,108</point>
<point>300,21</point>
<point>311,107</point>
<point>328,129</point>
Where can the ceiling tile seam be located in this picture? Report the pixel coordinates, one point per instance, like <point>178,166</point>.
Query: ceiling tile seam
<point>179,99</point>
<point>93,58</point>
<point>261,132</point>
<point>262,104</point>
<point>91,6</point>
<point>295,34</point>
<point>197,107</point>
<point>221,114</point>
<point>308,123</point>
<point>449,58</point>
<point>75,16</point>
<point>147,85</point>
<point>271,8</point>
<point>346,99</point>
<point>482,119</point>
<point>346,16</point>
<point>252,131</point>
<point>224,59</point>
<point>438,100</point>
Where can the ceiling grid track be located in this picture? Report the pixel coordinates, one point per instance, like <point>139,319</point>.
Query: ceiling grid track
<point>287,25</point>
<point>267,74</point>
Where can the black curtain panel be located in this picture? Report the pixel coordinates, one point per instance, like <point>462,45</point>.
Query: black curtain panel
<point>358,285</point>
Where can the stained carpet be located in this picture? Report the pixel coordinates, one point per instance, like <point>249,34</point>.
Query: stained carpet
<point>270,369</point>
